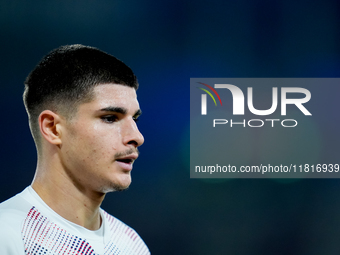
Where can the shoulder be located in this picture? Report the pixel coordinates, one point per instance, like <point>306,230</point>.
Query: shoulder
<point>13,210</point>
<point>12,214</point>
<point>124,236</point>
<point>10,236</point>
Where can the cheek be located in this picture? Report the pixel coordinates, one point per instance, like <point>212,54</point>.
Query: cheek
<point>106,136</point>
<point>102,144</point>
<point>95,143</point>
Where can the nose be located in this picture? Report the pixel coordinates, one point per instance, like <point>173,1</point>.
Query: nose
<point>132,135</point>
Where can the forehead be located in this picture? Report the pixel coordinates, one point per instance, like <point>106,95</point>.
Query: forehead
<point>115,95</point>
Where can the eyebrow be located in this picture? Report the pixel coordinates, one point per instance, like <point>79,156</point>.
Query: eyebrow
<point>120,110</point>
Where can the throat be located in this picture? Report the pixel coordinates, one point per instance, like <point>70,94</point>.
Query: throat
<point>78,207</point>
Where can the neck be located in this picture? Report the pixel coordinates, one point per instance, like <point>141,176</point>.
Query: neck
<point>73,203</point>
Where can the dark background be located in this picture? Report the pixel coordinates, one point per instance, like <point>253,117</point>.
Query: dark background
<point>165,43</point>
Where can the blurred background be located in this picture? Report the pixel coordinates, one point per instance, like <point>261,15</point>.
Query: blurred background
<point>166,43</point>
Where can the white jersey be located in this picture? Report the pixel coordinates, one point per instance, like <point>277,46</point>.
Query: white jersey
<point>29,226</point>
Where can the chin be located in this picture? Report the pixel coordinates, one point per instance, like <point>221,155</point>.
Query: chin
<point>119,185</point>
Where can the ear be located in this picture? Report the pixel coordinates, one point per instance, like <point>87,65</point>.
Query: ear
<point>49,123</point>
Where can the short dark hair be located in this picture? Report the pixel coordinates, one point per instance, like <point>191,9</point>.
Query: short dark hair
<point>66,77</point>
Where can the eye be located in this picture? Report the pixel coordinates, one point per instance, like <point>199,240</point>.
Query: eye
<point>136,119</point>
<point>109,118</point>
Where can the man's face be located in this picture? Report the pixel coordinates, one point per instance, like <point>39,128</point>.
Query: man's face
<point>99,144</point>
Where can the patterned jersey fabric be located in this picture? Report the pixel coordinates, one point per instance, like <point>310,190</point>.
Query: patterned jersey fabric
<point>37,229</point>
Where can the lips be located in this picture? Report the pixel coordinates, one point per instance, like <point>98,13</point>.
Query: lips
<point>127,161</point>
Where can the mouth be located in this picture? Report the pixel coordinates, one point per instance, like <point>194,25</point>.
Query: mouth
<point>127,161</point>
